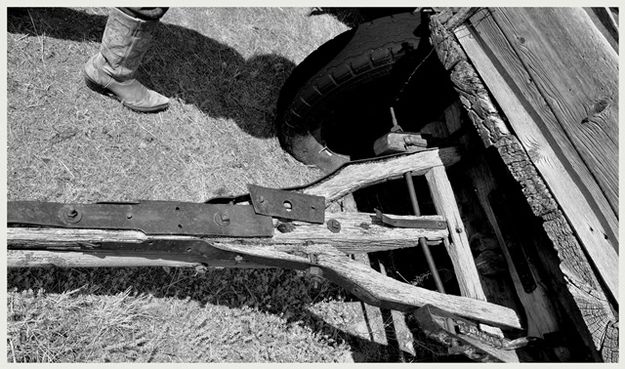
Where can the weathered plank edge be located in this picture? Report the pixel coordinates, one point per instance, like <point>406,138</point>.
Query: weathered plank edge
<point>318,259</point>
<point>529,129</point>
<point>494,133</point>
<point>360,233</point>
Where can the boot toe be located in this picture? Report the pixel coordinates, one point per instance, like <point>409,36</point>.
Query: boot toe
<point>152,101</point>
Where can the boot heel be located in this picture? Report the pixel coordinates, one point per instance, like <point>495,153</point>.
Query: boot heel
<point>94,86</point>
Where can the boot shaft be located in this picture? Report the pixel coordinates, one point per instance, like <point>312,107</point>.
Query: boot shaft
<point>125,41</point>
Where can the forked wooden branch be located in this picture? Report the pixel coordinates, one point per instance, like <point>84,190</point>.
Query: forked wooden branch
<point>357,176</point>
<point>371,286</point>
<point>323,260</point>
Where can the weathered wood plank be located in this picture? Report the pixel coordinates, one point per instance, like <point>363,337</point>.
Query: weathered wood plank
<point>356,176</point>
<point>589,229</point>
<point>576,71</point>
<point>397,332</point>
<point>396,142</point>
<point>539,312</point>
<point>373,326</point>
<point>459,250</point>
<point>491,38</point>
<point>94,259</point>
<point>360,232</point>
<point>568,268</point>
<point>329,262</point>
<point>606,23</point>
<point>372,287</point>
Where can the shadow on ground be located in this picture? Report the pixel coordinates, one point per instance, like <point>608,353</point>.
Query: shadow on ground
<point>280,292</point>
<point>182,64</point>
<point>352,17</point>
<point>215,78</point>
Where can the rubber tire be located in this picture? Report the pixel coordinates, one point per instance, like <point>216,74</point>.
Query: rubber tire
<point>355,62</point>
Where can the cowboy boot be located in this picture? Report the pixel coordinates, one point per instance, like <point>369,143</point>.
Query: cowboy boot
<point>111,71</point>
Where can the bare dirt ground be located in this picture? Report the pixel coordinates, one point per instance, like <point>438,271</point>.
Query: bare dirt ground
<point>223,69</point>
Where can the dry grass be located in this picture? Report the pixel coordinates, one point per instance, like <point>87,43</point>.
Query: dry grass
<point>227,316</point>
<point>222,69</point>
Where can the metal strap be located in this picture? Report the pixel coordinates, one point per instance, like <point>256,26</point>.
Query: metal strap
<point>150,217</point>
<point>288,204</point>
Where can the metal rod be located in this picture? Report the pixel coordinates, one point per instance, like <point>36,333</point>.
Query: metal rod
<point>413,194</point>
<point>426,250</point>
<point>432,265</point>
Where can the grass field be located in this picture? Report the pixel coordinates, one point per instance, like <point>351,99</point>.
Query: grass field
<point>223,69</point>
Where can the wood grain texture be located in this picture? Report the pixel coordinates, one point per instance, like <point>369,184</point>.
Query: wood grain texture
<point>396,327</point>
<point>364,282</point>
<point>374,288</point>
<point>395,142</point>
<point>506,61</point>
<point>72,259</point>
<point>566,261</point>
<point>605,21</point>
<point>568,195</point>
<point>459,250</point>
<point>372,326</point>
<point>356,176</point>
<point>576,71</point>
<point>539,312</point>
<point>360,233</point>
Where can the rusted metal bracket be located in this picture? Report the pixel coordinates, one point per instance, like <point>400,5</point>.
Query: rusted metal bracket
<point>412,221</point>
<point>150,217</point>
<point>464,337</point>
<point>400,142</point>
<point>287,204</point>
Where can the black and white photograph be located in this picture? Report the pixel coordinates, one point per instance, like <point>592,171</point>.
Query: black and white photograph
<point>264,184</point>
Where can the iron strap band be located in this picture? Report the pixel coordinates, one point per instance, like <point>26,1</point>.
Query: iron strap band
<point>150,217</point>
<point>287,204</point>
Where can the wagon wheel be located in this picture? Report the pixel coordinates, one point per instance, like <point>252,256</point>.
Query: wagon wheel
<point>336,102</point>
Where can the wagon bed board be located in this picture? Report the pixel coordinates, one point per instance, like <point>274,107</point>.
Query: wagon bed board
<point>476,71</point>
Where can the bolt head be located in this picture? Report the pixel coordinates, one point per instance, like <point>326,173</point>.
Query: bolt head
<point>334,225</point>
<point>72,212</point>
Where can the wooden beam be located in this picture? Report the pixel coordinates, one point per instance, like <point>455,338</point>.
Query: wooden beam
<point>576,71</point>
<point>360,233</point>
<point>459,250</point>
<point>539,311</point>
<point>319,259</point>
<point>358,175</point>
<point>506,60</point>
<point>108,259</point>
<point>569,272</point>
<point>588,227</point>
<point>371,286</point>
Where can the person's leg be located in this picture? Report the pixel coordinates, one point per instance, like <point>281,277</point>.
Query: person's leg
<point>146,14</point>
<point>126,39</point>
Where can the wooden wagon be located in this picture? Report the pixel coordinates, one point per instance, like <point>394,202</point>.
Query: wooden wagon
<point>527,212</point>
